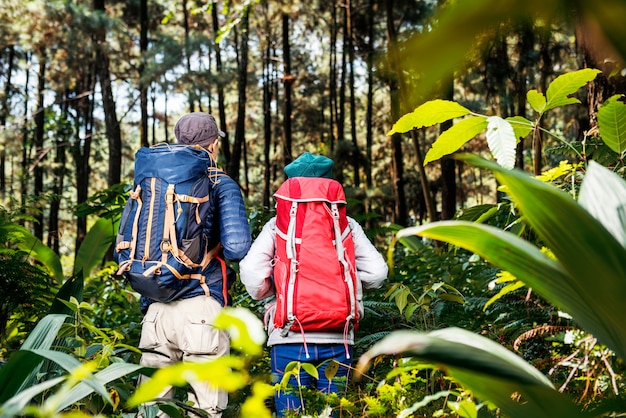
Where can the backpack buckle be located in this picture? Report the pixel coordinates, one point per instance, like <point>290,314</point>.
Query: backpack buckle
<point>166,246</point>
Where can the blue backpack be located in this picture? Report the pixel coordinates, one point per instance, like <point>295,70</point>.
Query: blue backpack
<point>161,242</point>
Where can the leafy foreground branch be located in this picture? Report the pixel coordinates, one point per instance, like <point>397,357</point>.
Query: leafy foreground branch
<point>586,280</point>
<point>70,381</point>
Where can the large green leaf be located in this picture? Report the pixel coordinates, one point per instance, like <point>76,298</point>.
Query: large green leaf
<point>86,383</point>
<point>509,252</point>
<point>608,208</point>
<point>537,100</point>
<point>562,87</point>
<point>455,137</point>
<point>589,282</point>
<point>521,126</point>
<point>73,287</point>
<point>429,114</point>
<point>14,406</point>
<point>226,372</point>
<point>490,371</point>
<point>612,123</point>
<point>16,371</point>
<point>95,245</point>
<point>44,333</point>
<point>35,248</point>
<point>111,373</point>
<point>24,363</point>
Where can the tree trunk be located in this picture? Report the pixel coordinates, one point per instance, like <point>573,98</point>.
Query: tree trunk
<point>25,141</point>
<point>38,141</point>
<point>332,88</point>
<point>370,98</point>
<point>428,198</point>
<point>602,87</point>
<point>81,149</point>
<point>546,71</point>
<point>267,114</point>
<point>448,172</point>
<point>287,81</point>
<point>112,125</point>
<point>242,84</point>
<point>143,88</point>
<point>341,106</point>
<point>220,87</point>
<point>397,174</point>
<point>57,182</point>
<point>356,153</point>
<point>4,113</point>
<point>525,49</point>
<point>190,91</point>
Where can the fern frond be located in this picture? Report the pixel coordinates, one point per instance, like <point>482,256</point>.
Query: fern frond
<point>539,332</point>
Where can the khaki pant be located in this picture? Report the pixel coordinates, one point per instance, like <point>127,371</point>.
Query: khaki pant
<point>182,331</point>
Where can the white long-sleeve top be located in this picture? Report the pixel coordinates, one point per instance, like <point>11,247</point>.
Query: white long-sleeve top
<point>256,271</point>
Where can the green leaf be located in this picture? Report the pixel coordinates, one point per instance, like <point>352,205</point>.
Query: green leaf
<point>455,137</point>
<point>536,100</point>
<point>71,365</point>
<point>95,246</point>
<point>401,298</point>
<point>502,141</point>
<point>489,370</point>
<point>226,372</point>
<point>428,114</point>
<point>291,366</point>
<point>586,282</point>
<point>505,290</point>
<point>310,369</point>
<point>36,249</point>
<point>330,371</point>
<point>521,126</point>
<point>45,332</point>
<point>20,370</point>
<point>466,409</point>
<point>254,406</point>
<point>245,329</point>
<point>111,373</point>
<point>501,248</point>
<point>423,402</point>
<point>477,213</point>
<point>72,288</point>
<point>449,297</point>
<point>413,243</point>
<point>14,406</point>
<point>567,84</point>
<point>608,208</point>
<point>410,310</point>
<point>15,372</point>
<point>68,363</point>
<point>612,123</point>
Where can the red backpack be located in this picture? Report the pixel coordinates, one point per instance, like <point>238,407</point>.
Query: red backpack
<point>314,270</point>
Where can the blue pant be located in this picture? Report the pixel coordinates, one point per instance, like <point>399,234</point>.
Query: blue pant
<point>283,354</point>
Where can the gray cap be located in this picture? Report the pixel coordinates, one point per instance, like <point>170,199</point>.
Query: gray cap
<point>197,128</point>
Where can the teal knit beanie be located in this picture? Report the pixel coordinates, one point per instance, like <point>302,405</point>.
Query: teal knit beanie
<point>309,165</point>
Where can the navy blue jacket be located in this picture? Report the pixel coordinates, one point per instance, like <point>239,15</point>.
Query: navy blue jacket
<point>227,222</point>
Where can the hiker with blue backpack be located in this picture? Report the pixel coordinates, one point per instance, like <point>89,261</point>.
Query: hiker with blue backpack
<point>184,220</point>
<point>314,262</point>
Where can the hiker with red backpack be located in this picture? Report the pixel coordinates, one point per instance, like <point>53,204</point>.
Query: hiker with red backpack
<point>315,261</point>
<point>185,218</point>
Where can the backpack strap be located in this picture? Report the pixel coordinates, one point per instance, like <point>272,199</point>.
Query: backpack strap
<point>132,244</point>
<point>169,243</point>
<point>293,266</point>
<point>224,279</point>
<point>339,236</point>
<point>291,231</point>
